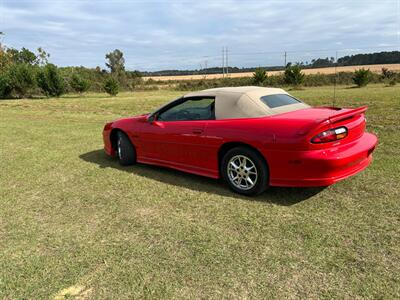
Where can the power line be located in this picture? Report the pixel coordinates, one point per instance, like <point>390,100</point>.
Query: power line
<point>314,50</point>
<point>193,61</point>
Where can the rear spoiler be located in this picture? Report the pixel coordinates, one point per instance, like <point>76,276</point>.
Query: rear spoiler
<point>347,114</point>
<point>338,114</point>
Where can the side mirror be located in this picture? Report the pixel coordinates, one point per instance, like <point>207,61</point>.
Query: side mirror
<point>151,118</point>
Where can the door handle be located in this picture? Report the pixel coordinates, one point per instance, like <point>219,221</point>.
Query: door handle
<point>197,131</point>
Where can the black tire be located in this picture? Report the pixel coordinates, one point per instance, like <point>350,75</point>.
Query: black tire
<point>126,152</point>
<point>254,161</point>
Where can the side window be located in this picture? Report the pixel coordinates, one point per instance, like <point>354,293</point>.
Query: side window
<point>190,110</point>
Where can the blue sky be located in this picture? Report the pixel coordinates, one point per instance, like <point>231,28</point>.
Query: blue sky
<point>185,34</point>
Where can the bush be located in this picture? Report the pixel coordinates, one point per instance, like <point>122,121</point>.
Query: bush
<point>50,81</point>
<point>387,74</point>
<point>259,76</point>
<point>79,84</point>
<point>5,86</point>
<point>362,77</point>
<point>111,86</point>
<point>293,75</point>
<point>21,79</point>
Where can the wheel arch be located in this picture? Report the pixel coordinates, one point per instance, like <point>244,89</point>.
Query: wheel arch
<point>230,145</point>
<point>114,137</point>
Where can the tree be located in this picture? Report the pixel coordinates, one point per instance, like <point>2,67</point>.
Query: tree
<point>50,81</point>
<point>23,56</point>
<point>111,86</point>
<point>259,76</point>
<point>1,46</point>
<point>79,84</point>
<point>5,60</point>
<point>42,57</point>
<point>21,78</point>
<point>116,61</point>
<point>322,62</point>
<point>362,77</point>
<point>5,86</point>
<point>293,75</point>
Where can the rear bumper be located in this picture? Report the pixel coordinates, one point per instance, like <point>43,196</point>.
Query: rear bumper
<point>323,167</point>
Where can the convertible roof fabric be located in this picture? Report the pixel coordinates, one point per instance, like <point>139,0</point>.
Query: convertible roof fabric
<point>244,102</point>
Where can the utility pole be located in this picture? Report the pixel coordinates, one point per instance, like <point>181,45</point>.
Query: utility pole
<point>285,60</point>
<point>226,58</point>
<point>204,67</point>
<point>334,84</point>
<point>223,62</point>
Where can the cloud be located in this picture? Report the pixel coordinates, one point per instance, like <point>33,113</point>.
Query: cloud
<point>182,34</point>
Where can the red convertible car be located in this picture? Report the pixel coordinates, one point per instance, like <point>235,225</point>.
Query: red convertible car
<point>252,137</point>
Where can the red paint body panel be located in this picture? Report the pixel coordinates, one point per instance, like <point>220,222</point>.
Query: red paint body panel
<point>283,140</point>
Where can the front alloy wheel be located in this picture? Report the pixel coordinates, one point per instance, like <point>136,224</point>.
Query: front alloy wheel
<point>125,150</point>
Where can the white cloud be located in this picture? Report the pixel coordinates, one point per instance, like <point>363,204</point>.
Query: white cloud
<point>177,34</point>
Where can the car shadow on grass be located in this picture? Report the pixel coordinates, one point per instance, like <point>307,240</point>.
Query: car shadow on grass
<point>278,195</point>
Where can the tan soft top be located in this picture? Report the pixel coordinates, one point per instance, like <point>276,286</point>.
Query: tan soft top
<point>244,102</point>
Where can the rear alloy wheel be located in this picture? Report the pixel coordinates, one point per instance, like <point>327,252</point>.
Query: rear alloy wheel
<point>125,150</point>
<point>245,171</point>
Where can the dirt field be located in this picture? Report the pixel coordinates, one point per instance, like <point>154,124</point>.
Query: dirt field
<point>373,68</point>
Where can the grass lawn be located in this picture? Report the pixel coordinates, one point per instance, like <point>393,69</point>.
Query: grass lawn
<point>75,223</point>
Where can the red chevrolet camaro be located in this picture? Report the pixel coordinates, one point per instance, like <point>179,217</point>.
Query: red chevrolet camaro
<point>252,137</point>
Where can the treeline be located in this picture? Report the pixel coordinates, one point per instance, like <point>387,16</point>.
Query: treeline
<point>292,77</point>
<point>26,74</point>
<point>213,70</point>
<point>392,57</point>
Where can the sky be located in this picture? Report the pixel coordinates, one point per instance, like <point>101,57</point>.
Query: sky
<point>157,35</point>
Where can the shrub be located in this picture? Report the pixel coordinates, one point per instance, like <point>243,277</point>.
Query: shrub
<point>275,80</point>
<point>387,74</point>
<point>5,86</point>
<point>21,79</point>
<point>293,75</point>
<point>362,77</point>
<point>111,86</point>
<point>259,76</point>
<point>79,84</point>
<point>50,81</point>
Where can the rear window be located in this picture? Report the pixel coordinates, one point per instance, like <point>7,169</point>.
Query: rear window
<point>278,100</point>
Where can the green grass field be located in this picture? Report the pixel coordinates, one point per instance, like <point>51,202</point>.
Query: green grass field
<point>73,223</point>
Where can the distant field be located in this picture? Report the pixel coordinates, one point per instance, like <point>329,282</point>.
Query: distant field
<point>373,68</point>
<point>74,224</point>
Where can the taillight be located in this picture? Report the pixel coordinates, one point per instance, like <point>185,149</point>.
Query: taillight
<point>330,135</point>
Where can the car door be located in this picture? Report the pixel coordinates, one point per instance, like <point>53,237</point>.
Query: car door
<point>176,135</point>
